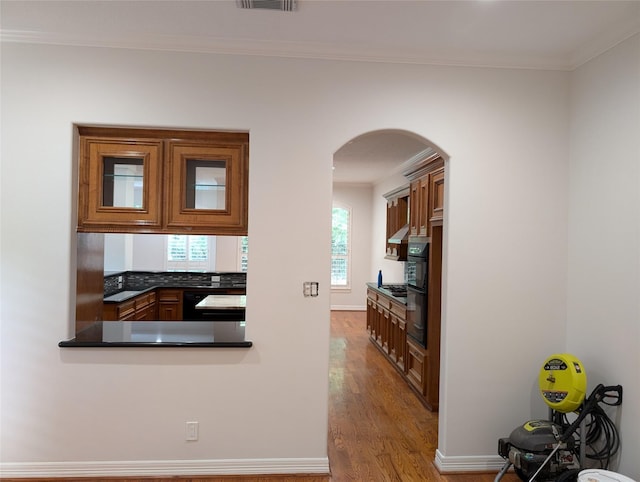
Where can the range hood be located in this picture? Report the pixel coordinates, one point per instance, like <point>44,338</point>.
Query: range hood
<point>401,236</point>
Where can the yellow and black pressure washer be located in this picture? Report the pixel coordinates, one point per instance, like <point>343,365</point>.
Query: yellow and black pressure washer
<point>577,430</point>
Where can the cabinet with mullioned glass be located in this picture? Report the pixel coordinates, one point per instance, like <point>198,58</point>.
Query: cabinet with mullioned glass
<point>162,181</point>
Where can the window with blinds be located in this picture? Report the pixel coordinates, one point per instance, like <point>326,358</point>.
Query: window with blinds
<point>188,252</point>
<point>340,247</point>
<point>243,253</point>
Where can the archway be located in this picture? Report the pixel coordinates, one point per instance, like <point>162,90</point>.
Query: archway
<point>381,161</point>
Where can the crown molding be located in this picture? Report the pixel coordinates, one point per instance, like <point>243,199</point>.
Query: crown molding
<point>324,51</point>
<point>604,42</point>
<point>304,50</point>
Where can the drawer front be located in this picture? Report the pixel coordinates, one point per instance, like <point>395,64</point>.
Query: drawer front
<point>399,310</point>
<point>126,310</point>
<point>170,296</point>
<point>142,302</point>
<point>384,302</point>
<point>415,366</point>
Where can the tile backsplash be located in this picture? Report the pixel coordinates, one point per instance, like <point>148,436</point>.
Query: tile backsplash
<point>141,280</point>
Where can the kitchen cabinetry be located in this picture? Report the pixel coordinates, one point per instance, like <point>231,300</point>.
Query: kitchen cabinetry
<point>397,221</point>
<point>398,334</point>
<point>169,304</point>
<point>416,365</point>
<point>162,181</point>
<point>386,317</point>
<point>386,325</point>
<point>426,198</point>
<point>120,182</point>
<point>140,308</point>
<point>418,202</point>
<point>436,196</point>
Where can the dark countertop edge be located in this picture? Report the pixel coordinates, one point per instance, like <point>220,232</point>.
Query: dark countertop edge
<point>175,287</point>
<point>138,292</point>
<point>95,344</point>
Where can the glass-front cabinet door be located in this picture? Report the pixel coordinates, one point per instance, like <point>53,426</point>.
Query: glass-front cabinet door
<point>120,184</point>
<point>207,185</point>
<point>162,181</point>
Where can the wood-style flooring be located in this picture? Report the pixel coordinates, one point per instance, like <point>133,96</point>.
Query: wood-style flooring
<point>378,430</point>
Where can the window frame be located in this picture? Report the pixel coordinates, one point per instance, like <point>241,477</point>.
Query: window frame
<point>243,254</point>
<point>187,264</point>
<point>347,256</point>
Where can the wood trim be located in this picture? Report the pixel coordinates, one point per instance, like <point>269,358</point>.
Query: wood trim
<point>424,166</point>
<point>170,134</point>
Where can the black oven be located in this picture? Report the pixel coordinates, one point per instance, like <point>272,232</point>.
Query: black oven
<point>417,288</point>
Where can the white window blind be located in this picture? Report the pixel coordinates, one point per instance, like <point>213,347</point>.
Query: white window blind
<point>243,253</point>
<point>187,252</point>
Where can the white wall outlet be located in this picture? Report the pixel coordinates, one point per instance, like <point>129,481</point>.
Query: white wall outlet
<point>192,431</point>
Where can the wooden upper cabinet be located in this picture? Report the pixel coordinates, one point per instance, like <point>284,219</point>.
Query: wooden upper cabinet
<point>162,181</point>
<point>436,196</point>
<point>426,200</point>
<point>419,201</point>
<point>397,214</point>
<point>207,186</point>
<point>120,180</point>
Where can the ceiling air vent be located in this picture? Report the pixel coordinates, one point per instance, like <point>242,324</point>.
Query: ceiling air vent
<point>284,5</point>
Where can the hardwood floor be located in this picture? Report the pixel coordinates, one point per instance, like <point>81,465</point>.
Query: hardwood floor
<point>378,430</point>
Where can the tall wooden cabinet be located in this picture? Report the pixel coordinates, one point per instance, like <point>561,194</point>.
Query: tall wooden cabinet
<point>162,181</point>
<point>420,365</point>
<point>427,179</point>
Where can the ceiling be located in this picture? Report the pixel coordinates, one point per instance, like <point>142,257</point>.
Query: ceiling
<point>529,34</point>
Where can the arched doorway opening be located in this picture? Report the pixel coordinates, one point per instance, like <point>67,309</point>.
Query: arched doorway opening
<point>366,168</point>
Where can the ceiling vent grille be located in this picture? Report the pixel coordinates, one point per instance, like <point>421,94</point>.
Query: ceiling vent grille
<point>284,5</point>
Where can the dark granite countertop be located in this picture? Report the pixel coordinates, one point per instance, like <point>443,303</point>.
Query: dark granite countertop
<point>197,334</point>
<point>128,294</point>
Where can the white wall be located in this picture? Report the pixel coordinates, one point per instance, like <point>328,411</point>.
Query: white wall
<point>117,252</point>
<point>603,323</point>
<point>148,252</point>
<point>226,251</point>
<point>506,261</point>
<point>357,197</point>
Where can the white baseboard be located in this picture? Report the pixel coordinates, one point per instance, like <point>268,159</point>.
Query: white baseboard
<point>480,463</point>
<point>348,307</point>
<point>166,468</point>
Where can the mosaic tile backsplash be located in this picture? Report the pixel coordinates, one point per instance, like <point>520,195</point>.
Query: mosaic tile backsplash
<point>142,280</point>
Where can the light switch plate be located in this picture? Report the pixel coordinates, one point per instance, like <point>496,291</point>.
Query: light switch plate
<point>192,431</point>
<point>310,288</point>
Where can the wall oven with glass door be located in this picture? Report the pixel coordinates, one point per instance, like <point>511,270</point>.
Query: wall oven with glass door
<point>417,287</point>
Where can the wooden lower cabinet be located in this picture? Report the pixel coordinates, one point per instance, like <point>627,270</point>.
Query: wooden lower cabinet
<point>399,341</point>
<point>416,365</point>
<point>169,304</point>
<point>386,324</point>
<point>140,308</point>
